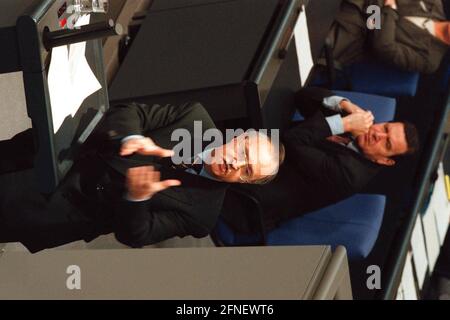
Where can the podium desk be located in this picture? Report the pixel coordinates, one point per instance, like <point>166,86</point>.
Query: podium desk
<point>238,273</point>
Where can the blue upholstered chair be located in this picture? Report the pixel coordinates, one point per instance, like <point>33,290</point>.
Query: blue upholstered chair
<point>353,222</point>
<point>378,78</point>
<point>372,78</point>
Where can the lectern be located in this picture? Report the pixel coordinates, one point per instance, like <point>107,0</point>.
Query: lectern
<point>29,32</point>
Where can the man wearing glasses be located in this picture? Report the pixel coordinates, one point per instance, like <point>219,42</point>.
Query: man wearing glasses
<point>127,183</point>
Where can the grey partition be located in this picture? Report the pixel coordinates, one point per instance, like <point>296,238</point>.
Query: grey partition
<point>230,65</point>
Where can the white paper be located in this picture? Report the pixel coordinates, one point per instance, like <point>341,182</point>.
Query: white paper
<point>303,46</point>
<point>440,204</point>
<point>408,284</point>
<point>419,252</point>
<point>431,237</point>
<point>60,86</point>
<point>70,79</point>
<point>400,293</point>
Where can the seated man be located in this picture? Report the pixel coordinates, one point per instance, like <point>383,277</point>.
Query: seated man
<point>116,190</point>
<point>330,156</point>
<point>414,35</point>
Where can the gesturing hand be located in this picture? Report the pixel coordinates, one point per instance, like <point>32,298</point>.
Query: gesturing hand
<point>144,182</point>
<point>350,107</point>
<point>144,146</point>
<point>358,123</point>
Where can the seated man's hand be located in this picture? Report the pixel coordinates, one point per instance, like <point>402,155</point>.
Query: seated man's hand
<point>144,182</point>
<point>144,146</point>
<point>350,107</point>
<point>358,123</point>
<point>391,3</point>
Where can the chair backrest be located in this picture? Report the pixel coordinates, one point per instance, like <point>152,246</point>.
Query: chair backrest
<point>354,223</point>
<point>374,77</point>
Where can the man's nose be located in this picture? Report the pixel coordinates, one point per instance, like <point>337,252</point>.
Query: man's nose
<point>380,135</point>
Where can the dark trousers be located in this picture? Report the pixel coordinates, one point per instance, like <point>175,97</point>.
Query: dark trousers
<point>36,220</point>
<point>17,153</point>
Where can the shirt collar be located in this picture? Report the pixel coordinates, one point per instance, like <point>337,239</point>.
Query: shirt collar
<point>352,146</point>
<point>204,173</point>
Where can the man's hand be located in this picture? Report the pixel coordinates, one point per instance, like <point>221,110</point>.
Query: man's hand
<point>144,182</point>
<point>349,107</point>
<point>358,123</point>
<point>391,3</point>
<point>145,147</point>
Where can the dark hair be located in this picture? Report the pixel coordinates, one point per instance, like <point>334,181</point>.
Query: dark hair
<point>412,138</point>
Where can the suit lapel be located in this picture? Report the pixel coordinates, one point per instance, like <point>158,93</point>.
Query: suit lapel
<point>362,168</point>
<point>333,147</point>
<point>192,185</point>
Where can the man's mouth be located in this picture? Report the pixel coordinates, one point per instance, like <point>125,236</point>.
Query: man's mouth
<point>223,167</point>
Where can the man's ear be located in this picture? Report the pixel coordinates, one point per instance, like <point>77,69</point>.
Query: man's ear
<point>385,161</point>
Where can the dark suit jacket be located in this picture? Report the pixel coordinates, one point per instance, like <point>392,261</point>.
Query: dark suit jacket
<point>399,42</point>
<point>317,172</point>
<point>405,45</point>
<point>90,200</point>
<point>192,208</point>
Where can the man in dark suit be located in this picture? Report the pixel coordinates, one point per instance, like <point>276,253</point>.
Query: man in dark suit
<point>127,187</point>
<point>330,156</point>
<point>413,35</point>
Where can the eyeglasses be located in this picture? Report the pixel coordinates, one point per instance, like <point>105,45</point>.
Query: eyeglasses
<point>242,149</point>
